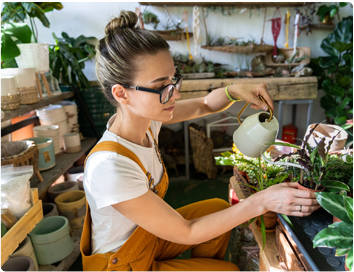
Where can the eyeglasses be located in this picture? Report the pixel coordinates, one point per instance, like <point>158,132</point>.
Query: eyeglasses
<point>165,92</point>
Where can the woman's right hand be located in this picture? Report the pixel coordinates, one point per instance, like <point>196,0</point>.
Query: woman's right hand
<point>285,198</point>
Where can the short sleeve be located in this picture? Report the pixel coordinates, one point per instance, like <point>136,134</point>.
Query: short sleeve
<point>111,178</point>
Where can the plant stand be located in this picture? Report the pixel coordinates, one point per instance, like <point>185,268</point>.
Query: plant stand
<point>300,241</point>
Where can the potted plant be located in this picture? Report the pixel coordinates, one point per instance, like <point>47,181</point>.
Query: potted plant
<point>314,162</point>
<point>338,234</point>
<point>334,73</point>
<point>326,13</point>
<point>67,57</point>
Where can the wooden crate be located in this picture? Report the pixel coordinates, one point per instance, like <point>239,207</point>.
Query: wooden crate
<point>19,231</point>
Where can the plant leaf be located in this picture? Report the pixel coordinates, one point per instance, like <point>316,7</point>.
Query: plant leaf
<point>326,45</point>
<point>286,218</point>
<point>348,205</point>
<point>248,223</point>
<point>334,204</point>
<point>333,237</point>
<point>326,62</point>
<point>307,136</point>
<point>283,144</point>
<point>344,30</point>
<point>349,259</point>
<point>334,186</point>
<point>341,46</point>
<point>263,231</point>
<point>341,251</point>
<point>223,161</point>
<point>226,154</point>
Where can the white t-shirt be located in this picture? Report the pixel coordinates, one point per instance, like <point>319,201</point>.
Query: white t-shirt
<point>111,178</point>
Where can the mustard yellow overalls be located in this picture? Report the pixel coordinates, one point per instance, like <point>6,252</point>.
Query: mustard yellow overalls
<point>144,251</point>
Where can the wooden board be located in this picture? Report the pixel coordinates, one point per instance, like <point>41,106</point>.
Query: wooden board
<point>228,4</point>
<point>286,252</point>
<point>19,231</point>
<point>190,95</point>
<point>9,114</point>
<point>279,88</point>
<point>198,75</point>
<point>63,162</point>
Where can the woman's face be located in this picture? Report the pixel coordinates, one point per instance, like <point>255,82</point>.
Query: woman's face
<point>154,72</point>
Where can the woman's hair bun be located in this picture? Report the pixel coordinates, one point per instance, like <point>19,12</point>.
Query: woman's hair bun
<point>126,19</point>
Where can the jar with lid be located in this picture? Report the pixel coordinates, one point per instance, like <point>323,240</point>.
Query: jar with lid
<point>8,218</point>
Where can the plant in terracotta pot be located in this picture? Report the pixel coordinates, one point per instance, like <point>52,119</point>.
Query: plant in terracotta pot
<point>314,162</point>
<point>338,234</point>
<point>326,13</point>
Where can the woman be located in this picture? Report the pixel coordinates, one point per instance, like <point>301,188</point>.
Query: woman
<point>128,225</point>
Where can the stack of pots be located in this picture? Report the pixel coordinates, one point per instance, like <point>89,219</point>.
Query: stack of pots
<point>54,115</point>
<point>26,249</point>
<point>26,84</point>
<point>76,174</point>
<point>51,131</point>
<point>19,263</point>
<point>61,188</point>
<point>10,99</point>
<point>71,113</point>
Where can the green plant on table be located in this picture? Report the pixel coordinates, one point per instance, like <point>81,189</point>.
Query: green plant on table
<point>11,35</point>
<point>330,11</point>
<point>339,234</point>
<point>18,12</point>
<point>315,162</point>
<point>67,57</point>
<point>335,73</point>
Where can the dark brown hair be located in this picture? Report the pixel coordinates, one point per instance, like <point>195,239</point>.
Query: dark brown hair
<point>118,51</point>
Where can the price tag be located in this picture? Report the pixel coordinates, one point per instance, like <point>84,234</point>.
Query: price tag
<point>46,156</point>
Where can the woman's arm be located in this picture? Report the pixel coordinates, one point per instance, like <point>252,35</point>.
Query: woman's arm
<point>217,101</point>
<point>154,215</point>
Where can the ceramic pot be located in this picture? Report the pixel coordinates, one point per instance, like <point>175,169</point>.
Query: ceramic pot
<point>327,20</point>
<point>72,205</point>
<point>51,240</point>
<point>19,263</point>
<point>49,209</point>
<point>10,99</point>
<point>80,181</point>
<point>270,221</point>
<point>26,249</point>
<point>74,172</point>
<point>336,219</point>
<point>61,188</point>
<point>25,132</point>
<point>46,157</point>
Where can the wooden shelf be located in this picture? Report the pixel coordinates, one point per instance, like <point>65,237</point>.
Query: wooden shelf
<point>63,162</point>
<point>9,114</point>
<point>225,4</point>
<point>318,26</point>
<point>19,231</point>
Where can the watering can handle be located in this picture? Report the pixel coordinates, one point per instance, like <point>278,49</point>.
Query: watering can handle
<point>245,106</point>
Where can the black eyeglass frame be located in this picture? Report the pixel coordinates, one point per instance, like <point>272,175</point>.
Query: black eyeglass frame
<point>149,90</point>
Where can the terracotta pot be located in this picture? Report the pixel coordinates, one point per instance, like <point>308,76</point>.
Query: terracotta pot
<point>308,189</point>
<point>270,220</point>
<point>25,132</point>
<point>336,219</point>
<point>19,263</point>
<point>61,188</point>
<point>26,249</point>
<point>72,205</point>
<point>51,240</point>
<point>50,209</point>
<point>266,222</point>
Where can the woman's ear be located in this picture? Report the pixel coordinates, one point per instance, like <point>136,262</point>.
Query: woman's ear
<point>120,94</point>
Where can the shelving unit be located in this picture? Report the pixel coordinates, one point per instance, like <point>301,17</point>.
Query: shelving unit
<point>42,103</point>
<point>63,162</point>
<point>318,26</point>
<point>225,4</point>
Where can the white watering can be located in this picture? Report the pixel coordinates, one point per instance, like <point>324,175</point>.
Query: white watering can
<point>255,132</point>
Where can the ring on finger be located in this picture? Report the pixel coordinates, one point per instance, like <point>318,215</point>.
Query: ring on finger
<point>300,208</point>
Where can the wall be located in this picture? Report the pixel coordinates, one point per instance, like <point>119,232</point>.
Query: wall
<point>90,18</point>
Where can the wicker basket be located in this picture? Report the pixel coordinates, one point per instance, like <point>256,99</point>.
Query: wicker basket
<point>246,49</point>
<point>21,153</point>
<point>34,55</point>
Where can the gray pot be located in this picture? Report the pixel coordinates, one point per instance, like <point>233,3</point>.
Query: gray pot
<point>26,249</point>
<point>61,188</point>
<point>51,240</point>
<point>73,172</point>
<point>19,263</point>
<point>49,209</point>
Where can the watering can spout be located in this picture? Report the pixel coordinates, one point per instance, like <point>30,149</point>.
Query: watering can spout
<point>255,131</point>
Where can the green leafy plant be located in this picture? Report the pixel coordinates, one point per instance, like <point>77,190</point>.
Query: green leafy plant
<point>330,11</point>
<point>335,73</point>
<point>339,234</point>
<point>11,35</point>
<point>342,168</point>
<point>67,58</point>
<point>315,162</point>
<point>150,18</point>
<point>19,11</point>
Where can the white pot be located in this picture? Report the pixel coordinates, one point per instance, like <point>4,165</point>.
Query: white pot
<point>24,78</point>
<point>26,249</point>
<point>34,55</point>
<point>8,86</point>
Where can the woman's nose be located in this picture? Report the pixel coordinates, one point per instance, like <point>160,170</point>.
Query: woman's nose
<point>176,94</point>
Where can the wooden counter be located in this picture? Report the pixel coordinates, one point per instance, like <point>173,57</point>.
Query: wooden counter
<point>280,88</point>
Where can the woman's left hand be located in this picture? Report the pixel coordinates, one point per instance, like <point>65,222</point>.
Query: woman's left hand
<point>249,92</point>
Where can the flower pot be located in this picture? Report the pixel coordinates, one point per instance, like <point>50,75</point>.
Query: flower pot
<point>26,249</point>
<point>80,181</point>
<point>72,173</point>
<point>61,188</point>
<point>72,205</point>
<point>327,20</point>
<point>51,240</point>
<point>336,219</point>
<point>49,209</point>
<point>270,221</point>
<point>46,158</point>
<point>19,263</point>
<point>300,187</point>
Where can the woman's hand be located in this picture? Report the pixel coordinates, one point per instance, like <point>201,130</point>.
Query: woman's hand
<point>285,198</point>
<point>249,92</point>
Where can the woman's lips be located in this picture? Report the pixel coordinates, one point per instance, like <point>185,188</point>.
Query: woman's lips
<point>170,109</point>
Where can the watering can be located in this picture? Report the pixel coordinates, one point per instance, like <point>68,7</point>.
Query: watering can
<point>255,131</point>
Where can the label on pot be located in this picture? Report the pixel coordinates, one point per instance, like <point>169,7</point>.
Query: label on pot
<point>46,156</point>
